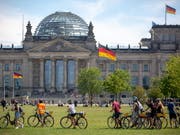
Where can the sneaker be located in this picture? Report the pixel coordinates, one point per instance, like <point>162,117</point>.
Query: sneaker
<point>16,127</point>
<point>22,125</point>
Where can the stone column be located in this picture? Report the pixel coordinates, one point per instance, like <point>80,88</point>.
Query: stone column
<point>140,73</point>
<point>42,75</point>
<point>65,75</point>
<point>76,71</point>
<point>30,85</point>
<point>53,75</point>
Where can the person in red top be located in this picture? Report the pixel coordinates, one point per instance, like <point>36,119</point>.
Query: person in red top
<point>41,109</point>
<point>116,108</point>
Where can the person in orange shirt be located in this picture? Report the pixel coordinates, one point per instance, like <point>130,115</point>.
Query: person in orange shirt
<point>41,109</point>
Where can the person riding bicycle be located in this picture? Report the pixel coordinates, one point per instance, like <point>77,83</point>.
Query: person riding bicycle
<point>116,108</point>
<point>151,105</point>
<point>159,106</point>
<point>41,109</point>
<point>136,110</point>
<point>72,112</point>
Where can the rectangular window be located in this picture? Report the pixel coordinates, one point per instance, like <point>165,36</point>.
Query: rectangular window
<point>59,74</point>
<point>6,67</point>
<point>18,67</point>
<point>71,68</point>
<point>123,66</point>
<point>134,80</point>
<point>135,68</point>
<point>146,68</point>
<point>111,67</point>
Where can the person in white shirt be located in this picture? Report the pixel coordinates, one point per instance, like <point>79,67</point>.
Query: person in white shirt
<point>72,112</point>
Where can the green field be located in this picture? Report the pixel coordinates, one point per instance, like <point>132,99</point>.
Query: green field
<point>96,117</point>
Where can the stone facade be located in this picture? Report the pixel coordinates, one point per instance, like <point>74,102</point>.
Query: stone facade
<point>50,66</point>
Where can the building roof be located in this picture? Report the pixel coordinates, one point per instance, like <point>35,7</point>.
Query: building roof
<point>61,24</point>
<point>166,26</point>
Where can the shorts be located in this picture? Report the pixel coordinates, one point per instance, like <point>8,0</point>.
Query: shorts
<point>17,115</point>
<point>72,114</point>
<point>116,114</point>
<point>172,116</point>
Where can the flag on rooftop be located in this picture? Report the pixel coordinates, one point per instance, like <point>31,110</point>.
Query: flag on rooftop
<point>107,53</point>
<point>17,75</point>
<point>170,10</point>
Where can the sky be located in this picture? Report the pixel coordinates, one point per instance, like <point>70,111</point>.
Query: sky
<point>115,22</point>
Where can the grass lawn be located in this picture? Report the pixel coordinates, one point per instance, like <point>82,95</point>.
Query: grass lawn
<point>96,117</point>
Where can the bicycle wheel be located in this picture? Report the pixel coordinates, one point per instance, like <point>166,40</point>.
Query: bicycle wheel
<point>175,123</point>
<point>48,121</point>
<point>4,122</point>
<point>21,119</point>
<point>33,121</point>
<point>82,122</point>
<point>139,123</point>
<point>125,123</point>
<point>157,123</point>
<point>146,123</point>
<point>65,122</point>
<point>164,122</point>
<point>111,122</point>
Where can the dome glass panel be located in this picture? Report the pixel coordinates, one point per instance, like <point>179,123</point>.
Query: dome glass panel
<point>62,24</point>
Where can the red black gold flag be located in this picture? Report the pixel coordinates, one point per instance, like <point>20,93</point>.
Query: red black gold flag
<point>17,75</point>
<point>103,52</point>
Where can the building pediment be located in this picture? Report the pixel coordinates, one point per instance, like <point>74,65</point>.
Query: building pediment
<point>58,45</point>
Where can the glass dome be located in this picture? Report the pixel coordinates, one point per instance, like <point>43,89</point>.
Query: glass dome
<point>62,24</point>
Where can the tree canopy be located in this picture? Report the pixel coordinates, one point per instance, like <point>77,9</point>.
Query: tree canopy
<point>117,82</point>
<point>90,82</point>
<point>170,81</point>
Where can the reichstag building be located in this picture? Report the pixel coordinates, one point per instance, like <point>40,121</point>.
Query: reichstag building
<point>63,43</point>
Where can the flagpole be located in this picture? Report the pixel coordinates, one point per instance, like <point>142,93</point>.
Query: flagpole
<point>13,88</point>
<point>165,16</point>
<point>4,89</point>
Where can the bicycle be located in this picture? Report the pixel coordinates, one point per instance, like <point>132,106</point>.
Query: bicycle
<point>123,121</point>
<point>6,119</point>
<point>80,121</point>
<point>35,119</point>
<point>176,122</point>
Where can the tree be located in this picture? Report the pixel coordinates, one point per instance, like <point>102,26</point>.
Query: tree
<point>140,93</point>
<point>89,82</point>
<point>170,82</point>
<point>117,82</point>
<point>155,91</point>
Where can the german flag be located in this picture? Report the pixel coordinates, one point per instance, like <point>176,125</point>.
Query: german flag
<point>17,75</point>
<point>170,10</point>
<point>103,52</point>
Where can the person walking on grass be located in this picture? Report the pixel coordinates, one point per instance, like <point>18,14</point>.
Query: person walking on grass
<point>17,109</point>
<point>172,111</point>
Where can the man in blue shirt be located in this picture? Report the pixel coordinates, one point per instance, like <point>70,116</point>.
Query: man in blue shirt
<point>172,111</point>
